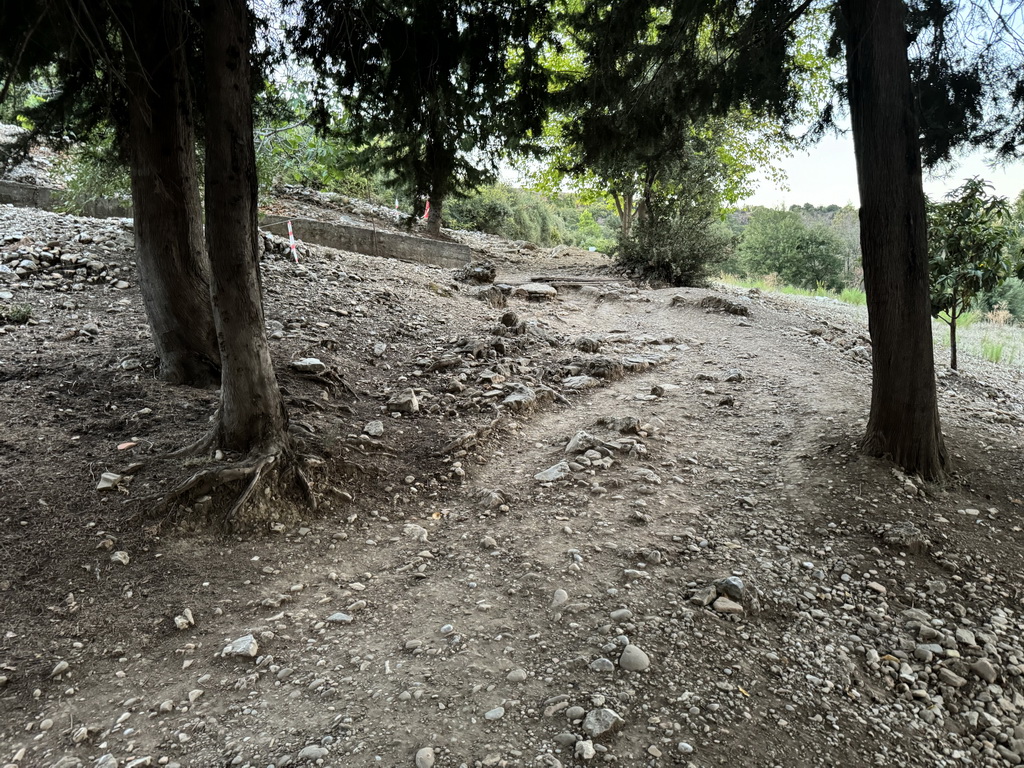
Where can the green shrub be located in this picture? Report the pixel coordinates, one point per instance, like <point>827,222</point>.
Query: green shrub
<point>93,171</point>
<point>780,242</point>
<point>515,214</point>
<point>1009,295</point>
<point>17,314</point>
<point>679,243</point>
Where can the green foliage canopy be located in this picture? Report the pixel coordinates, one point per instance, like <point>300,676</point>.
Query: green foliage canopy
<point>433,91</point>
<point>779,242</point>
<point>974,246</point>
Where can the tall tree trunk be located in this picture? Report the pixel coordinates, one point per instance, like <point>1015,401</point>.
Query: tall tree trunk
<point>252,414</point>
<point>624,205</point>
<point>174,272</point>
<point>952,342</point>
<point>904,418</point>
<point>434,216</point>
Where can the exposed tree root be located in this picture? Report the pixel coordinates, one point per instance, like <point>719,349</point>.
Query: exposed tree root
<point>332,381</point>
<point>256,471</point>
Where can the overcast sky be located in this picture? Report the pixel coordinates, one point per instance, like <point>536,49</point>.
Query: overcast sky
<point>827,174</point>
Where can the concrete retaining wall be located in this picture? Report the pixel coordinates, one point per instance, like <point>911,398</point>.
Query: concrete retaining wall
<point>373,242</point>
<point>49,199</point>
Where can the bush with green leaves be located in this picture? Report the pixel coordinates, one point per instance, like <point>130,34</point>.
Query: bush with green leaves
<point>679,242</point>
<point>780,243</point>
<point>15,314</point>
<point>93,170</point>
<point>974,246</point>
<point>294,153</point>
<point>515,214</point>
<point>1008,296</point>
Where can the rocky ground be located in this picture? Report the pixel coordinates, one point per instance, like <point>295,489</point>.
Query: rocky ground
<point>562,522</point>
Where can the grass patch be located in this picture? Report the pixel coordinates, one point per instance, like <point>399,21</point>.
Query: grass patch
<point>16,314</point>
<point>770,284</point>
<point>992,350</point>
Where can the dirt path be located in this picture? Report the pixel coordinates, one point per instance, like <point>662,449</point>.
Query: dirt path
<point>459,609</point>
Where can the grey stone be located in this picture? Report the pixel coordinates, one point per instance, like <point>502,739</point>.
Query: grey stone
<point>965,636</point>
<point>374,428</point>
<point>557,472</point>
<point>575,713</point>
<point>404,402</point>
<point>491,295</point>
<point>949,677</point>
<point>313,752</point>
<point>983,668</point>
<point>725,605</point>
<point>602,665</point>
<point>731,586</point>
<point>585,749</point>
<point>634,659</point>
<point>522,398</point>
<point>518,675</point>
<point>243,646</point>
<point>704,596</point>
<point>535,292</point>
<point>339,618</point>
<point>494,714</point>
<point>309,365</point>
<point>580,442</point>
<point>576,383</point>
<point>425,758</point>
<point>601,722</point>
<point>622,614</point>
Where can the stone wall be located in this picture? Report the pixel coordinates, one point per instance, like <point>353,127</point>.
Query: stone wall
<point>373,242</point>
<point>49,199</point>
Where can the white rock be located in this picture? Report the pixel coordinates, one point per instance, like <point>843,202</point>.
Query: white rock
<point>601,721</point>
<point>425,758</point>
<point>585,750</point>
<point>557,472</point>
<point>495,714</point>
<point>243,646</point>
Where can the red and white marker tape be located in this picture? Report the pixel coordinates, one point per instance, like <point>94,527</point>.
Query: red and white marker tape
<point>426,212</point>
<point>291,242</point>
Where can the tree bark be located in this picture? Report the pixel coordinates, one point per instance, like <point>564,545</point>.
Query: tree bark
<point>252,414</point>
<point>904,418</point>
<point>174,272</point>
<point>952,342</point>
<point>624,208</point>
<point>434,216</point>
